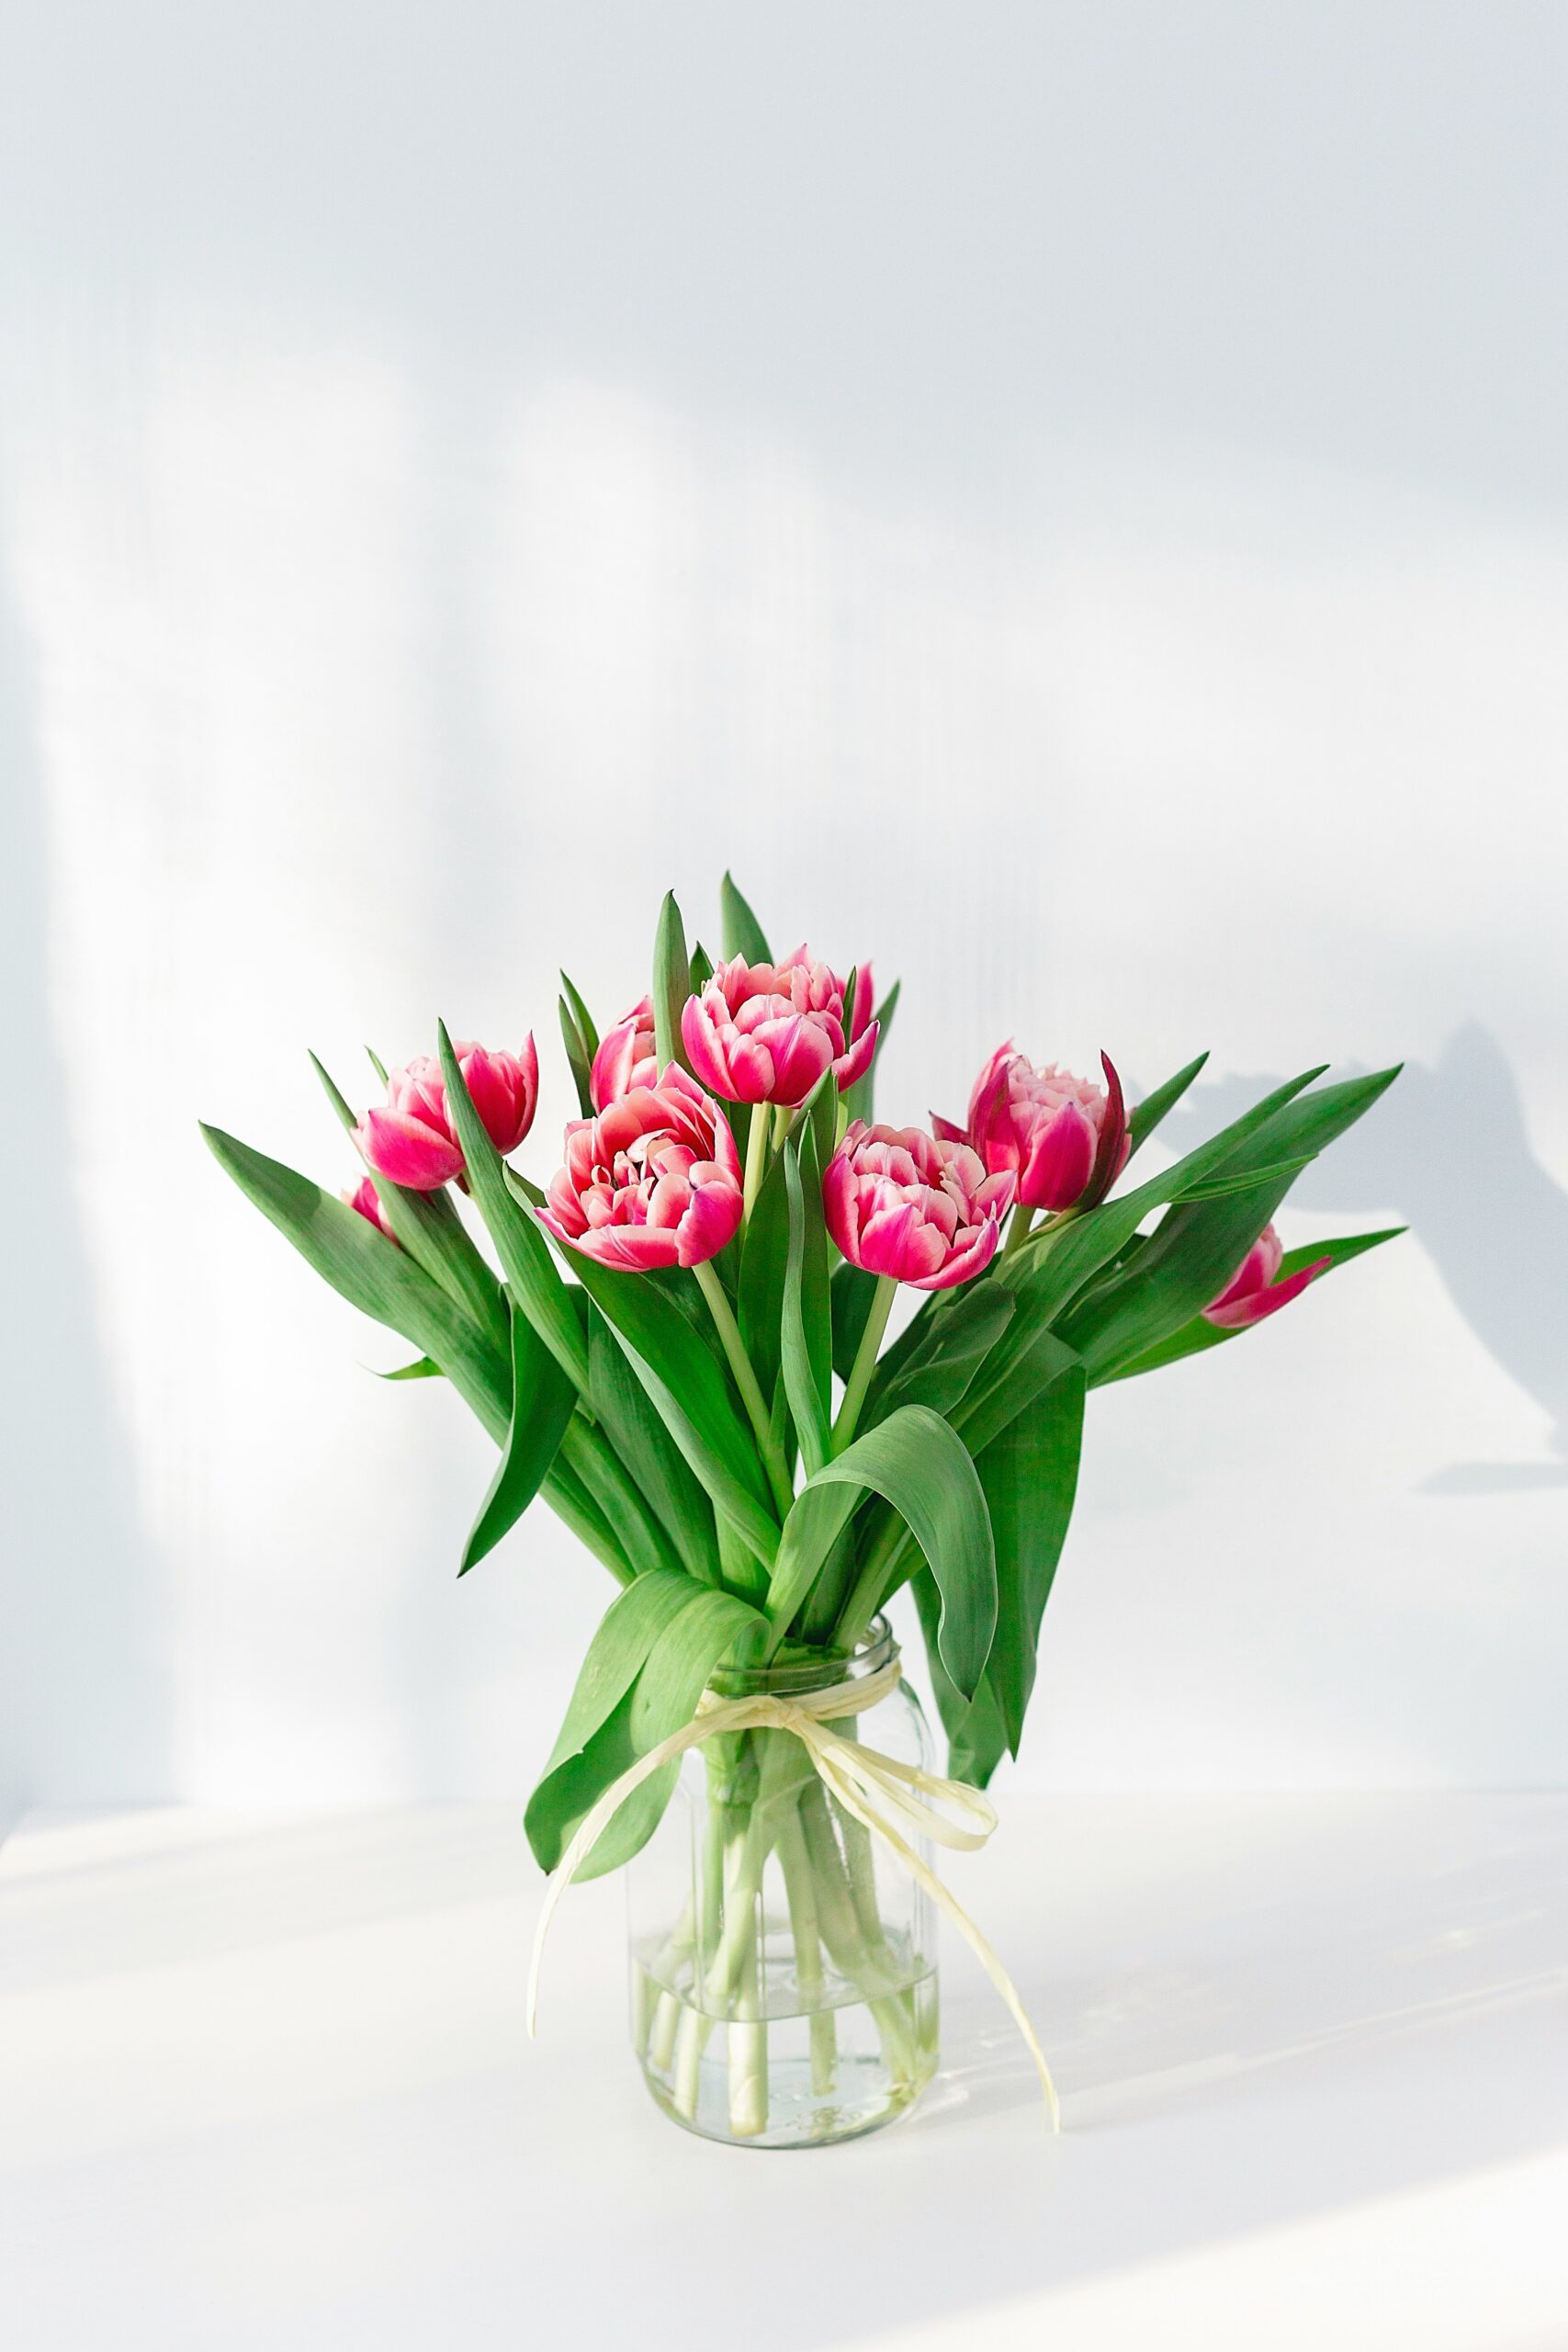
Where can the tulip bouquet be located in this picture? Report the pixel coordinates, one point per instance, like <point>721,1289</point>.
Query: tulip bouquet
<point>682,1342</point>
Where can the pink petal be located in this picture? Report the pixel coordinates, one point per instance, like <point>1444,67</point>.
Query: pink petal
<point>858,1060</point>
<point>1060,1161</point>
<point>407,1152</point>
<point>710,1223</point>
<point>1257,1304</point>
<point>965,1263</point>
<point>704,1049</point>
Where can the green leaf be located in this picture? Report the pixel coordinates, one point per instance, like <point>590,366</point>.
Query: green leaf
<point>1192,1338</point>
<point>947,1354</point>
<point>1008,1380</point>
<point>650,1455</point>
<point>1196,1247</point>
<point>543,1401</point>
<point>1057,1263</point>
<point>373,1274</point>
<point>672,983</point>
<point>807,1337</point>
<point>428,1227</point>
<point>571,1502</point>
<point>852,1291</point>
<point>575,1774</point>
<point>742,934</point>
<point>1145,1116</point>
<point>1220,1188</point>
<point>579,1059</point>
<point>421,1368</point>
<point>916,1463</point>
<point>977,1736</point>
<point>690,1394</point>
<point>647,1667</point>
<point>524,1255</point>
<point>764,1253</point>
<point>595,1460</point>
<point>582,1018</point>
<point>702,968</point>
<point>860,1099</point>
<point>1029,1475</point>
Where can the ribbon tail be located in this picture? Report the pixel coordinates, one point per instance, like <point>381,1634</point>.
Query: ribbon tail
<point>947,1903</point>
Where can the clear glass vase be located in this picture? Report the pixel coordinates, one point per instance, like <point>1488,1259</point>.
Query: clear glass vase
<point>782,1961</point>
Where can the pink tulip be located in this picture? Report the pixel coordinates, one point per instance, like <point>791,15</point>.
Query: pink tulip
<point>626,1057</point>
<point>1254,1290</point>
<point>412,1141</point>
<point>1065,1139</point>
<point>653,1180</point>
<point>898,1201</point>
<point>367,1201</point>
<point>765,1033</point>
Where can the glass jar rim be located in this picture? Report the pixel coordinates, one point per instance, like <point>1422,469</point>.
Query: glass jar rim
<point>818,1672</point>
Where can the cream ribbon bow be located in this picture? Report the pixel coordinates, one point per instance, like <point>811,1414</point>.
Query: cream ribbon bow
<point>876,1790</point>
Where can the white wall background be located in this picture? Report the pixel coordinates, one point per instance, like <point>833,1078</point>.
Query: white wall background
<point>1071,501</point>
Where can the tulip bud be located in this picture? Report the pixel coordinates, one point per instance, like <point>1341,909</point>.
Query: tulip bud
<point>1065,1139</point>
<point>412,1141</point>
<point>653,1180</point>
<point>898,1201</point>
<point>627,1057</point>
<point>1255,1289</point>
<point>367,1201</point>
<point>765,1033</point>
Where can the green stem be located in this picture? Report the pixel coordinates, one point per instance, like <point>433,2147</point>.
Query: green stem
<point>746,1381</point>
<point>1018,1231</point>
<point>871,1587</point>
<point>864,1364</point>
<point>756,1154</point>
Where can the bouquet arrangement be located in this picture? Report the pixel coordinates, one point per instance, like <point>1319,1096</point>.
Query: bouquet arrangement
<point>681,1343</point>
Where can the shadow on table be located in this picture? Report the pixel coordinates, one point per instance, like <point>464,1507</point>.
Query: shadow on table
<point>1301,1990</point>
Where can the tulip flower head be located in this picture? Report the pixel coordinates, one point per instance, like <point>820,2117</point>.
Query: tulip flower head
<point>412,1141</point>
<point>367,1201</point>
<point>765,1033</point>
<point>1065,1139</point>
<point>1255,1289</point>
<point>653,1180</point>
<point>627,1057</point>
<point>898,1201</point>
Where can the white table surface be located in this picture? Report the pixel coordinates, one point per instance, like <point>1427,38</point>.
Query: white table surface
<point>264,2082</point>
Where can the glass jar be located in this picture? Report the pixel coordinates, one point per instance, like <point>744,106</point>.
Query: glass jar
<point>783,1961</point>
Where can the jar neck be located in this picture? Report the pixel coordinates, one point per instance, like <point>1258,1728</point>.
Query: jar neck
<point>820,1671</point>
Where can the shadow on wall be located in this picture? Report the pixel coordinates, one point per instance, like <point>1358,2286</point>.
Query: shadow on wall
<point>1449,1153</point>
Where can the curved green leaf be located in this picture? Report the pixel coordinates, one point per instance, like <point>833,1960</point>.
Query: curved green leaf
<point>1030,1475</point>
<point>543,1401</point>
<point>524,1255</point>
<point>918,1464</point>
<point>646,1668</point>
<point>373,1274</point>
